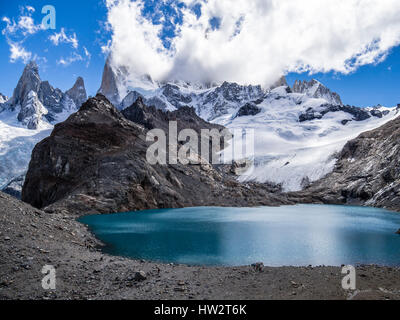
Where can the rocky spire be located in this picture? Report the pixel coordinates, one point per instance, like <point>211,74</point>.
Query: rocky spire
<point>34,99</point>
<point>78,92</point>
<point>109,86</point>
<point>29,81</point>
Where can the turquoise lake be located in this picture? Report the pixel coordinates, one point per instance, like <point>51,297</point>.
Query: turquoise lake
<point>286,236</point>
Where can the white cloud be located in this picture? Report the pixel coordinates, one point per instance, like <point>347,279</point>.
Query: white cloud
<point>17,52</point>
<point>74,57</point>
<point>88,56</point>
<point>16,33</point>
<point>30,9</point>
<point>25,25</point>
<point>257,40</point>
<point>62,37</point>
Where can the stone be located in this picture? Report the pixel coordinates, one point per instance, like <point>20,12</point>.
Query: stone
<point>248,109</point>
<point>140,276</point>
<point>258,266</point>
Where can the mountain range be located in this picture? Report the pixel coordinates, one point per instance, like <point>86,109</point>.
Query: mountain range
<point>300,130</point>
<point>28,117</point>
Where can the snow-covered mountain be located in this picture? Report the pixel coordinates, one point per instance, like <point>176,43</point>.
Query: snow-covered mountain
<point>298,130</point>
<point>297,137</point>
<point>37,101</point>
<point>29,116</point>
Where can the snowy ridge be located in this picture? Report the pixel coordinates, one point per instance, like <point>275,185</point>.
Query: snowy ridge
<point>294,153</point>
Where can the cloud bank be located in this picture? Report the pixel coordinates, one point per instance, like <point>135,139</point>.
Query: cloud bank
<point>250,41</point>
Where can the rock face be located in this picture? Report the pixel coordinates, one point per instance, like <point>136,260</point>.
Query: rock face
<point>315,89</point>
<point>78,92</point>
<point>227,97</point>
<point>356,114</point>
<point>95,162</point>
<point>150,117</point>
<point>249,109</point>
<point>52,98</point>
<point>367,171</point>
<point>109,86</point>
<point>35,99</point>
<point>32,111</point>
<point>29,81</point>
<point>132,96</point>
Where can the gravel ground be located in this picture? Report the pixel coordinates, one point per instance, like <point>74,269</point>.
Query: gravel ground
<point>31,239</point>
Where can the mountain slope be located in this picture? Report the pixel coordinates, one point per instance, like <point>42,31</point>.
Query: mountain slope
<point>297,138</point>
<point>367,171</point>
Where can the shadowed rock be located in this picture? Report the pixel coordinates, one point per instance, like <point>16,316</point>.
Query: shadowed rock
<point>95,162</point>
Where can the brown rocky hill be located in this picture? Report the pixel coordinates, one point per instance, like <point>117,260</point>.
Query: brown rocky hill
<point>95,162</point>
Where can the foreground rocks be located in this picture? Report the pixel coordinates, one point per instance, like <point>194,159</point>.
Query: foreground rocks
<point>95,162</point>
<point>31,239</point>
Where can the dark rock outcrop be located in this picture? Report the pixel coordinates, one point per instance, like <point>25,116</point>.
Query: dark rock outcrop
<point>95,162</point>
<point>51,97</point>
<point>248,109</point>
<point>151,117</point>
<point>358,114</point>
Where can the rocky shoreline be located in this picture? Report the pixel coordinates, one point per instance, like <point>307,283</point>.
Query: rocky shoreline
<point>31,238</point>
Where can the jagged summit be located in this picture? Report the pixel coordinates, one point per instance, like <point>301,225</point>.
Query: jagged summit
<point>36,100</point>
<point>29,81</point>
<point>109,87</point>
<point>316,89</point>
<point>78,92</point>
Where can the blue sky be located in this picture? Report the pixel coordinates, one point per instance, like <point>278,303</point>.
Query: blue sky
<point>85,18</point>
<point>368,85</point>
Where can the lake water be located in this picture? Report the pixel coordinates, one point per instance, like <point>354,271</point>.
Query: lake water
<point>290,235</point>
